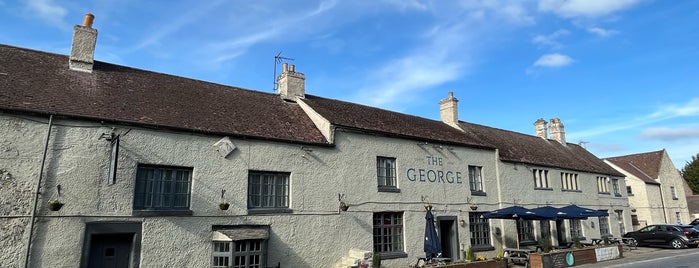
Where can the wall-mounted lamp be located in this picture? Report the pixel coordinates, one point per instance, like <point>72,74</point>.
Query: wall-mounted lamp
<point>474,207</point>
<point>462,222</point>
<point>592,224</point>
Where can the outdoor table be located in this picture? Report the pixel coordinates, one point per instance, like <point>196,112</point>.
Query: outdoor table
<point>596,241</point>
<point>518,255</point>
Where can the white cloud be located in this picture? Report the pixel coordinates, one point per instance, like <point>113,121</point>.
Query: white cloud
<point>584,8</point>
<point>690,108</point>
<point>551,39</point>
<point>670,111</point>
<point>670,134</point>
<point>601,32</point>
<point>553,60</point>
<point>47,10</point>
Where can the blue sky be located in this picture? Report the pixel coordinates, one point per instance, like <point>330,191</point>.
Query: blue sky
<point>622,75</point>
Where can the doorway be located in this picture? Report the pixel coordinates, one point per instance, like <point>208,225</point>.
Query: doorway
<point>111,245</point>
<point>111,250</point>
<point>448,237</point>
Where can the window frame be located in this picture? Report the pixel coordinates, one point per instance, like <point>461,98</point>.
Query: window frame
<point>281,202</point>
<point>159,176</point>
<point>479,231</point>
<point>389,238</point>
<point>629,191</point>
<point>541,179</point>
<point>576,229</point>
<point>475,180</point>
<point>386,176</point>
<point>569,182</point>
<point>673,192</point>
<point>525,232</point>
<point>616,188</point>
<point>602,185</point>
<point>259,250</point>
<point>604,229</point>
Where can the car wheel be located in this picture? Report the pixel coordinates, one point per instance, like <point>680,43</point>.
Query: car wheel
<point>676,243</point>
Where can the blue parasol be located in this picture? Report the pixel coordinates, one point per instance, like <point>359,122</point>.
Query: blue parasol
<point>432,246</point>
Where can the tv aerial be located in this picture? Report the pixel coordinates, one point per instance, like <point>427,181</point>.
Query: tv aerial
<point>278,59</point>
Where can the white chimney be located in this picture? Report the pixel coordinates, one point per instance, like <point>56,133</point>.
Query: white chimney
<point>557,131</point>
<point>449,110</point>
<point>290,83</point>
<point>540,128</point>
<point>82,52</point>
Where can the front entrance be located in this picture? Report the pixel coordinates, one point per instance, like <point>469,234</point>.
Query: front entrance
<point>111,245</point>
<point>448,237</point>
<point>111,250</point>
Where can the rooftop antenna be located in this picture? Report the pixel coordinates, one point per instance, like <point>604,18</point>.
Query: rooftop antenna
<point>582,144</point>
<point>278,59</point>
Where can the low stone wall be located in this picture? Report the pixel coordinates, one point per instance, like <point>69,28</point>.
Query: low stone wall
<point>574,257</point>
<point>478,264</point>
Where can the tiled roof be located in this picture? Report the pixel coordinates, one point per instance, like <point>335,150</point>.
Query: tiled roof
<point>633,170</point>
<point>648,163</point>
<point>529,149</point>
<point>360,117</point>
<point>41,82</point>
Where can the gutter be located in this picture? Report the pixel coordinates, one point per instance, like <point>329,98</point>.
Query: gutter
<point>36,196</point>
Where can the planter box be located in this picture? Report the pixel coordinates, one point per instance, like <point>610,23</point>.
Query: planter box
<point>478,264</point>
<point>569,258</point>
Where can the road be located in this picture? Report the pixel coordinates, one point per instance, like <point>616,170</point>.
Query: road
<point>652,257</point>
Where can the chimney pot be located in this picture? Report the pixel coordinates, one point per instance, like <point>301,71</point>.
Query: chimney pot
<point>291,85</point>
<point>292,68</point>
<point>285,67</point>
<point>89,19</point>
<point>449,110</point>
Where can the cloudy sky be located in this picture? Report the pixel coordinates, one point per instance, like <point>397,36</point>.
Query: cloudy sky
<point>622,75</point>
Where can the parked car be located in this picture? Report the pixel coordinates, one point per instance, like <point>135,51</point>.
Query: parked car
<point>695,223</point>
<point>673,235</point>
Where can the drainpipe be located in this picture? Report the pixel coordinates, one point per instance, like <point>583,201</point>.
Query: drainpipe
<point>36,196</point>
<point>662,202</point>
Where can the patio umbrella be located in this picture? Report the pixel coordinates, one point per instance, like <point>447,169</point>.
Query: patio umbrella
<point>516,213</point>
<point>547,211</point>
<point>432,247</point>
<point>576,212</point>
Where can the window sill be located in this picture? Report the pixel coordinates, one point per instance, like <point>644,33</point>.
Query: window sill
<point>605,193</point>
<point>544,189</point>
<point>152,213</point>
<point>257,211</point>
<point>388,189</point>
<point>617,195</point>
<point>392,255</point>
<point>528,243</point>
<point>478,193</point>
<point>573,191</point>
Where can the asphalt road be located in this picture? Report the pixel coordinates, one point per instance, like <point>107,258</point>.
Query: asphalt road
<point>653,257</point>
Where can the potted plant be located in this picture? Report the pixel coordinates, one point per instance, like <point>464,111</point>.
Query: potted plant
<point>224,205</point>
<point>344,206</point>
<point>55,205</point>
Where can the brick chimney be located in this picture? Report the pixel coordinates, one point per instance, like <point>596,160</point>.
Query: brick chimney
<point>449,110</point>
<point>540,127</point>
<point>290,83</point>
<point>557,131</point>
<point>82,51</point>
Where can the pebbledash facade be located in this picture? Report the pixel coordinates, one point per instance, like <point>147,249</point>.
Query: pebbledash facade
<point>141,162</point>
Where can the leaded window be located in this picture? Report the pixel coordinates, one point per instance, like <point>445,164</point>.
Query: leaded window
<point>268,189</point>
<point>238,254</point>
<point>386,172</point>
<point>475,178</point>
<point>575,229</point>
<point>388,232</point>
<point>525,231</point>
<point>479,229</point>
<point>162,188</point>
<point>604,226</point>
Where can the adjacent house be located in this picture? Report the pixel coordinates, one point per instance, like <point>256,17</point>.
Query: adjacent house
<point>655,188</point>
<point>144,169</point>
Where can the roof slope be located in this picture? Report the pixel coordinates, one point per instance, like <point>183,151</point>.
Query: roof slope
<point>360,117</point>
<point>648,163</point>
<point>633,170</point>
<point>522,148</point>
<point>42,82</point>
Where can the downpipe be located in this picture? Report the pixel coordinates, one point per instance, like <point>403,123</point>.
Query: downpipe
<point>37,193</point>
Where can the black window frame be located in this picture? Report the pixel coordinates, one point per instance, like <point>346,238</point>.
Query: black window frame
<point>479,231</point>
<point>385,234</point>
<point>256,188</point>
<point>149,190</point>
<point>386,176</point>
<point>475,180</point>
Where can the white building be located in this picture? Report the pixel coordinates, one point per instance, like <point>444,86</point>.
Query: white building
<point>655,188</point>
<point>141,160</point>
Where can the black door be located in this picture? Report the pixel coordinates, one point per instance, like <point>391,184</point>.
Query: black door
<point>448,237</point>
<point>561,232</point>
<point>110,250</point>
